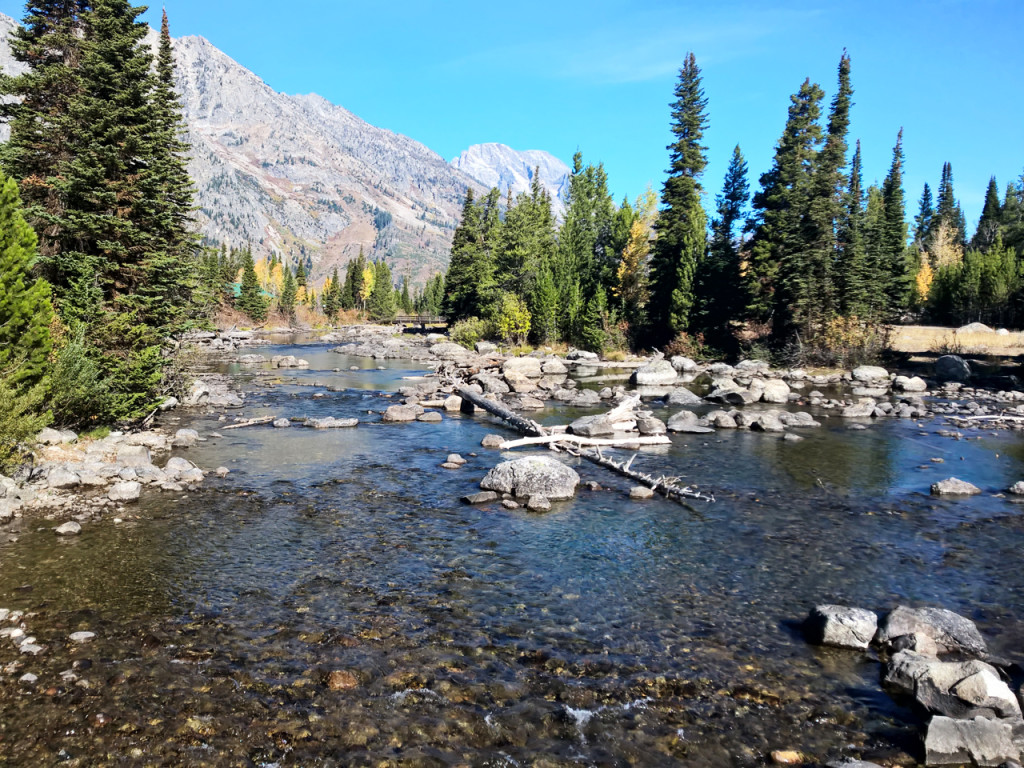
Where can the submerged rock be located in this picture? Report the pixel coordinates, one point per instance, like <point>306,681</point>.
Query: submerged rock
<point>402,413</point>
<point>332,423</point>
<point>641,492</point>
<point>533,476</point>
<point>841,626</point>
<point>69,529</point>
<point>485,497</point>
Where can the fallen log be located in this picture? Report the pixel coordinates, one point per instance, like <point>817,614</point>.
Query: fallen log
<point>251,423</point>
<point>603,442</point>
<point>667,487</point>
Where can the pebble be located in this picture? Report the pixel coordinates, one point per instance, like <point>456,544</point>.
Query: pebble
<point>32,649</point>
<point>28,678</point>
<point>454,458</point>
<point>787,757</point>
<point>81,637</point>
<point>342,680</point>
<point>223,471</point>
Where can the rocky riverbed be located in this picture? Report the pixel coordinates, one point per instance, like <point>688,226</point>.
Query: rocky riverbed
<point>329,599</point>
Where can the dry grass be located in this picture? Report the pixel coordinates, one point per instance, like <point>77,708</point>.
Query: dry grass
<point>917,339</point>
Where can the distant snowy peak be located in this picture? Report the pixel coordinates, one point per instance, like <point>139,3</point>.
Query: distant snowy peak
<point>496,165</point>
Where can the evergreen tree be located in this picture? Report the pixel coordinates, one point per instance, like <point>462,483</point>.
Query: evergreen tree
<point>526,236</point>
<point>923,220</point>
<point>25,311</point>
<point>349,291</point>
<point>893,256</point>
<point>720,290</point>
<point>946,207</point>
<point>470,283</point>
<point>585,239</point>
<point>854,280</point>
<point>250,297</point>
<point>382,299</point>
<point>301,277</point>
<point>632,284</point>
<point>989,223</point>
<point>682,226</point>
<point>286,301</point>
<point>543,305</point>
<point>1011,218</point>
<point>331,296</point>
<point>404,299</point>
<point>782,202</point>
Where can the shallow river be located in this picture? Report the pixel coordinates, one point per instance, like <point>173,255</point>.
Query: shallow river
<point>607,632</point>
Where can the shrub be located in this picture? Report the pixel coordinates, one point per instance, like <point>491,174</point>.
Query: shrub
<point>844,342</point>
<point>19,417</point>
<point>513,319</point>
<point>685,345</point>
<point>78,392</point>
<point>469,331</point>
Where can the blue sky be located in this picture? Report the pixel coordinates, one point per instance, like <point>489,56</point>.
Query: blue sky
<point>598,75</point>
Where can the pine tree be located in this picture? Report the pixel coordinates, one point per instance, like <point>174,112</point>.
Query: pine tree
<point>331,296</point>
<point>404,299</point>
<point>991,214</point>
<point>923,220</point>
<point>632,281</point>
<point>286,301</point>
<point>782,203</point>
<point>946,206</point>
<point>25,311</point>
<point>853,281</point>
<point>470,283</point>
<point>250,298</point>
<point>893,256</point>
<point>382,298</point>
<point>682,226</point>
<point>348,291</point>
<point>301,277</point>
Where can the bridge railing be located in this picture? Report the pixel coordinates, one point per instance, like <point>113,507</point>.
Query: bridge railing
<point>421,319</point>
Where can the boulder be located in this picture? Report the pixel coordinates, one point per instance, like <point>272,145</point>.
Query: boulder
<point>952,368</point>
<point>197,393</point>
<point>527,366</point>
<point>125,492</point>
<point>870,373</point>
<point>68,529</point>
<point>520,383</point>
<point>1017,489</point>
<point>581,354</point>
<point>134,456</point>
<point>726,396</point>
<point>858,411</point>
<point>952,486</point>
<point>649,425</point>
<point>682,396</point>
<point>491,384</point>
<point>950,631</point>
<point>775,391</point>
<point>402,413</point>
<point>492,441</point>
<point>640,493</point>
<point>906,384</point>
<point>593,426</point>
<point>61,478</point>
<point>841,626</point>
<point>538,503</point>
<point>554,368</point>
<point>683,364</point>
<point>449,351</point>
<point>54,437</point>
<point>767,421</point>
<point>453,403</point>
<point>686,421</point>
<point>533,476</point>
<point>185,438</point>
<point>654,374</point>
<point>586,398</point>
<point>430,417</point>
<point>486,347</point>
<point>979,742</point>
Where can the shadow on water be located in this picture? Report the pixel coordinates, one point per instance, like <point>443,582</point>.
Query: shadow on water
<point>332,603</point>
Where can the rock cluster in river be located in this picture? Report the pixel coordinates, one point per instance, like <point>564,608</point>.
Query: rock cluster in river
<point>939,662</point>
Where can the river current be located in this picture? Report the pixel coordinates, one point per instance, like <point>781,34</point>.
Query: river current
<point>332,602</point>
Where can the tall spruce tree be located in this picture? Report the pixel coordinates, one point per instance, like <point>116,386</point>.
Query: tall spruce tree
<point>470,283</point>
<point>286,301</point>
<point>923,220</point>
<point>806,276</point>
<point>893,255</point>
<point>682,226</point>
<point>382,299</point>
<point>853,279</point>
<point>989,223</point>
<point>250,297</point>
<point>781,204</point>
<point>720,290</point>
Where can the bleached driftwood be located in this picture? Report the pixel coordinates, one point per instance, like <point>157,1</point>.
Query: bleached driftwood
<point>251,423</point>
<point>667,486</point>
<point>603,442</point>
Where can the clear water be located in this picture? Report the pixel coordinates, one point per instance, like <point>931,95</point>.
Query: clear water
<point>607,632</point>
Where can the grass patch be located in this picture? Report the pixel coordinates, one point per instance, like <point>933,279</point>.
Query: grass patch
<point>918,339</point>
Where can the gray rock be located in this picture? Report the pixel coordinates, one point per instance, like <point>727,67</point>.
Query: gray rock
<point>722,420</point>
<point>197,393</point>
<point>453,403</point>
<point>915,384</point>
<point>282,423</point>
<point>31,648</point>
<point>979,742</point>
<point>402,413</point>
<point>61,477</point>
<point>682,396</point>
<point>1017,489</point>
<point>332,423</point>
<point>841,626</point>
<point>454,458</point>
<point>81,637</point>
<point>430,417</point>
<point>581,354</point>
<point>492,441</point>
<point>870,373</point>
<point>952,486</point>
<point>640,493</point>
<point>69,529</point>
<point>538,503</point>
<point>684,364</point>
<point>185,438</point>
<point>724,396</point>
<point>753,366</point>
<point>520,383</point>
<point>223,472</point>
<point>491,384</point>
<point>952,368</point>
<point>656,373</point>
<point>7,509</point>
<point>252,359</point>
<point>51,437</point>
<point>648,425</point>
<point>527,366</point>
<point>686,421</point>
<point>480,498</point>
<point>134,456</point>
<point>125,492</point>
<point>533,476</point>
<point>593,426</point>
<point>767,422</point>
<point>950,631</point>
<point>486,348</point>
<point>449,351</point>
<point>775,391</point>
<point>554,368</point>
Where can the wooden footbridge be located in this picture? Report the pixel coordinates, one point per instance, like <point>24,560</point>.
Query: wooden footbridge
<point>421,320</point>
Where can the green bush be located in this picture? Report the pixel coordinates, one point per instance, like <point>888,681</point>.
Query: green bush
<point>20,418</point>
<point>78,392</point>
<point>513,319</point>
<point>468,332</point>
